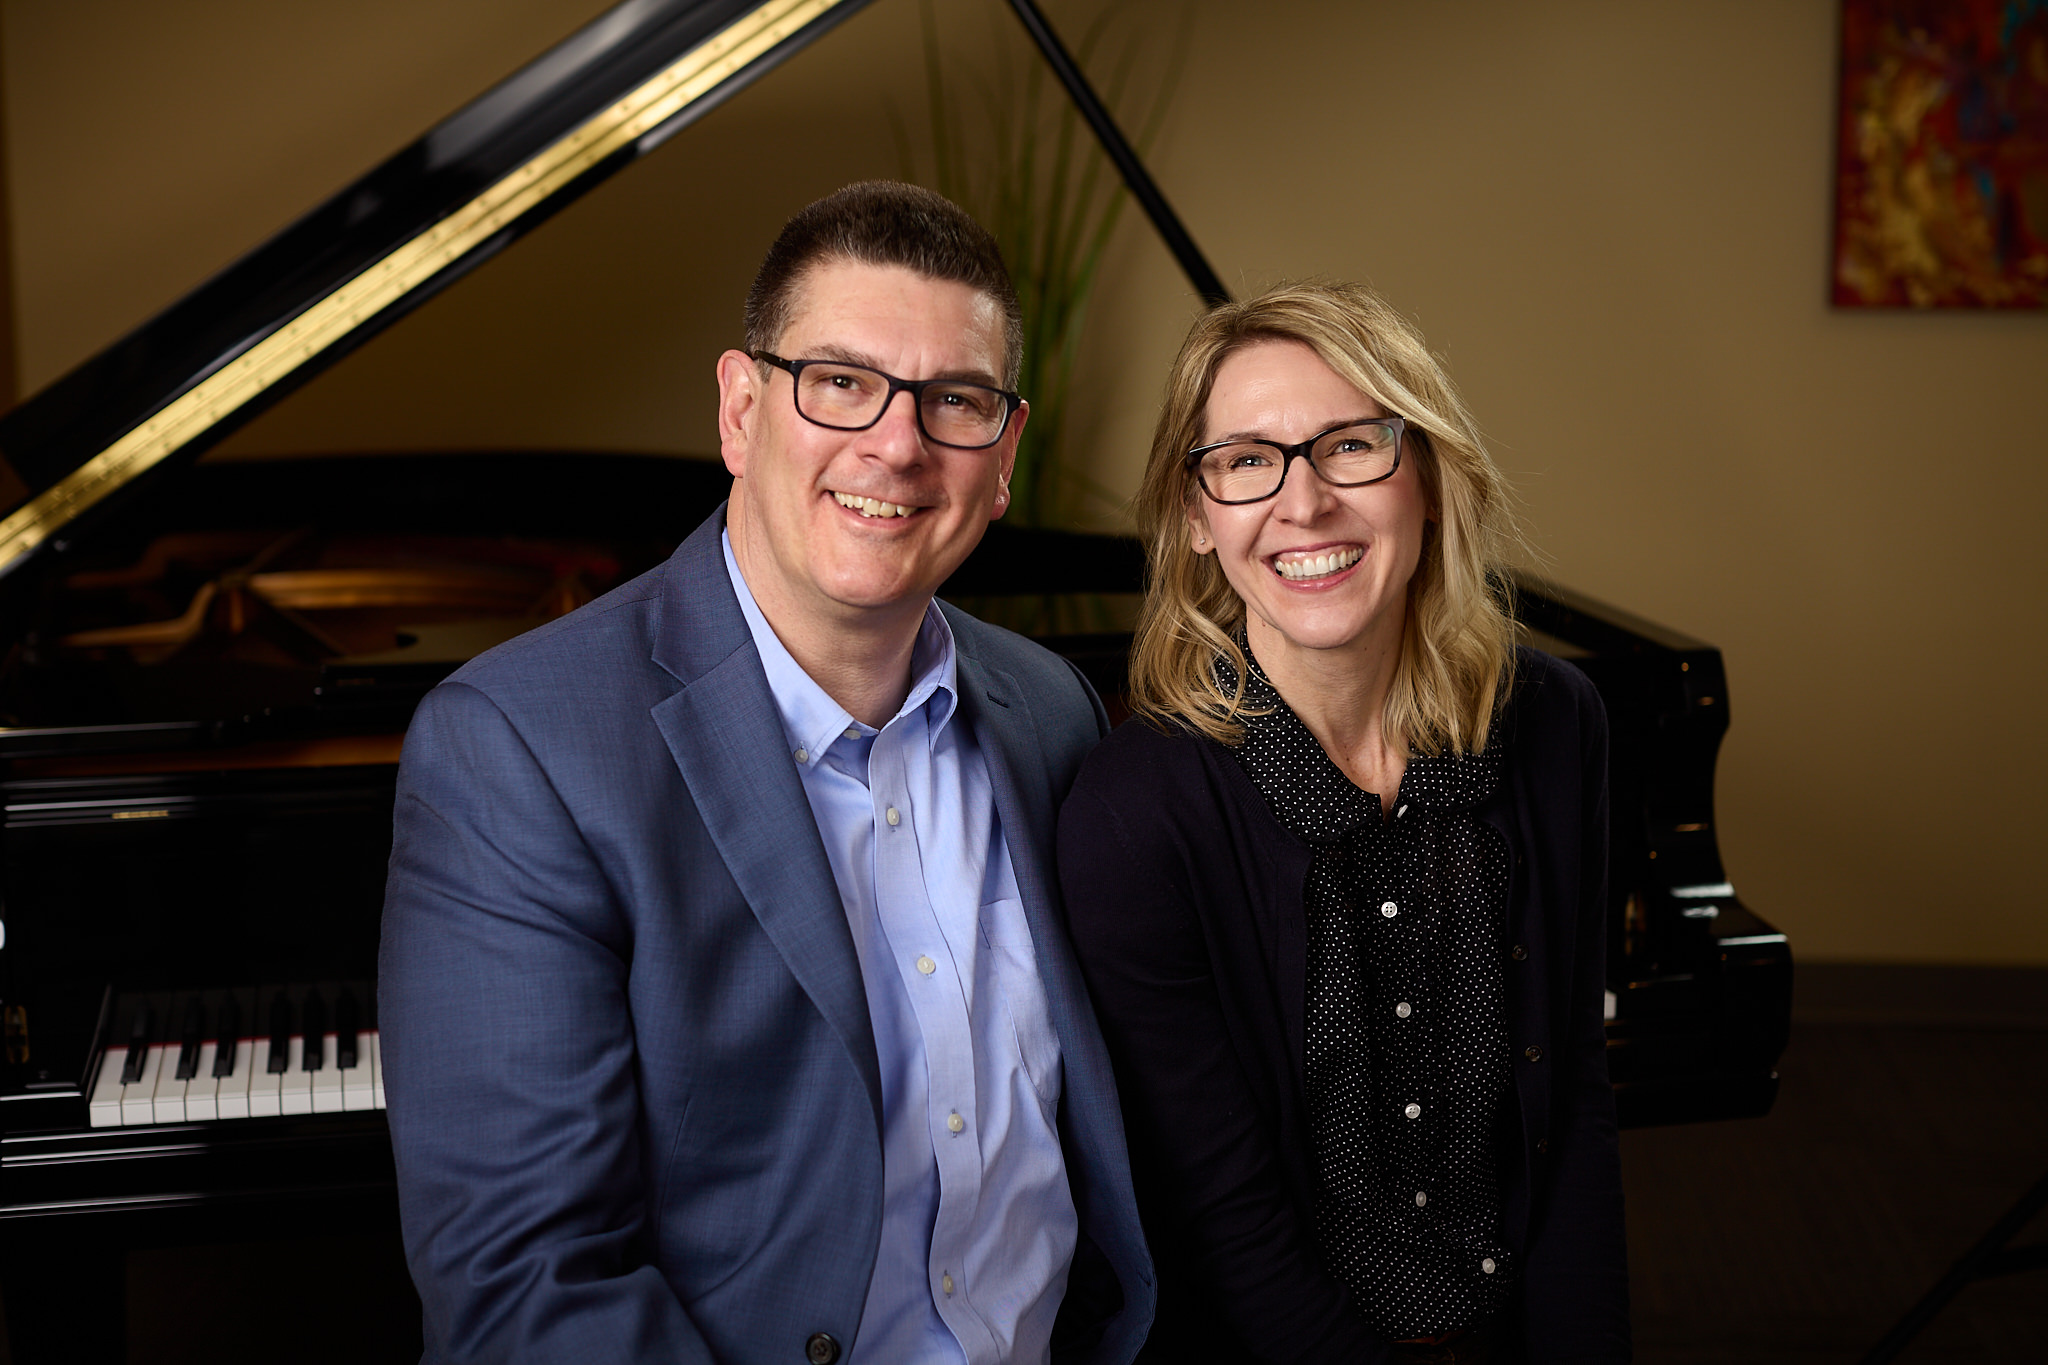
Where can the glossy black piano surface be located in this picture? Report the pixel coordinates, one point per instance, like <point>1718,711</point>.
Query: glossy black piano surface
<point>209,668</point>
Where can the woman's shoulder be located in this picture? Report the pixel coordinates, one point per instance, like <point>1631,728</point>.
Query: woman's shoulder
<point>1551,691</point>
<point>1140,754</point>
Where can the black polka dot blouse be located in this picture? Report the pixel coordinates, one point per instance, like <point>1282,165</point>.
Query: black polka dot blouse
<point>1407,1067</point>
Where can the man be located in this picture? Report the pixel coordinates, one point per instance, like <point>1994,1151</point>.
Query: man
<point>727,1013</point>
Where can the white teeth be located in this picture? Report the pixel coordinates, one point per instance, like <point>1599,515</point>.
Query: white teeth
<point>1317,566</point>
<point>872,507</point>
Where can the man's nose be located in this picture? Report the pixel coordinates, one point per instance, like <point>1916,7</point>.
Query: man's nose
<point>896,436</point>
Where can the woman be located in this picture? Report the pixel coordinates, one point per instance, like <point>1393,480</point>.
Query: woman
<point>1338,890</point>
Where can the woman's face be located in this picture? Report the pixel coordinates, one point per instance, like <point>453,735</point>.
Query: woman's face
<point>1371,536</point>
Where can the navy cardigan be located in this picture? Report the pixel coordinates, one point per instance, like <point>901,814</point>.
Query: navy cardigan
<point>1185,898</point>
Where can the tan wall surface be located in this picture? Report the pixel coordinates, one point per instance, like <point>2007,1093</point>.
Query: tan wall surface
<point>1611,218</point>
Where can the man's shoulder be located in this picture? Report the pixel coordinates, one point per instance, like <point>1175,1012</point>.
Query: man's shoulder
<point>593,641</point>
<point>1045,678</point>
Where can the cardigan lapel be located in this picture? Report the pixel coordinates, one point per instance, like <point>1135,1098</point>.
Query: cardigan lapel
<point>725,734</point>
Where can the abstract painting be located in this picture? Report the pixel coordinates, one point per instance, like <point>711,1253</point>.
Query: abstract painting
<point>1941,179</point>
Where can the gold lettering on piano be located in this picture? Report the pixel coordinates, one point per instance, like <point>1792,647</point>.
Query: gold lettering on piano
<point>656,101</point>
<point>142,815</point>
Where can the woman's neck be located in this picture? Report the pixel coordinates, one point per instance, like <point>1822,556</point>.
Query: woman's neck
<point>1341,696</point>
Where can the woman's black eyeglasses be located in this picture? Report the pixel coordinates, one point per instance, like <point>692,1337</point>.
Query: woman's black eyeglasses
<point>1346,456</point>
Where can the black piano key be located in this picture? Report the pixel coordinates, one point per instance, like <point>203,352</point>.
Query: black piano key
<point>138,1045</point>
<point>189,1039</point>
<point>227,1036</point>
<point>315,1054</point>
<point>347,1022</point>
<point>280,1035</point>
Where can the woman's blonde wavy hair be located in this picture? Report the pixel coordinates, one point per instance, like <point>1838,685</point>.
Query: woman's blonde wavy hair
<point>1459,638</point>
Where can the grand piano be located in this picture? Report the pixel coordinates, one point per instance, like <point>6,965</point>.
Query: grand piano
<point>209,667</point>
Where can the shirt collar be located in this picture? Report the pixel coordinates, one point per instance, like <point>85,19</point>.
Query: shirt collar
<point>1311,795</point>
<point>811,720</point>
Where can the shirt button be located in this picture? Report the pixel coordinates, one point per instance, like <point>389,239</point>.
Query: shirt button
<point>954,1123</point>
<point>1400,812</point>
<point>1403,1010</point>
<point>1487,1267</point>
<point>1389,909</point>
<point>1421,1198</point>
<point>853,732</point>
<point>1542,1146</point>
<point>946,1282</point>
<point>803,756</point>
<point>927,966</point>
<point>1534,1054</point>
<point>1412,1110</point>
<point>1519,953</point>
<point>894,817</point>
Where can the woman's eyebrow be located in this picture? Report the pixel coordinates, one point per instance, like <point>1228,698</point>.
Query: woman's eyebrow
<point>1261,436</point>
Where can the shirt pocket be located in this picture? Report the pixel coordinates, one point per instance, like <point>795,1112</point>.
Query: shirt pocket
<point>1013,979</point>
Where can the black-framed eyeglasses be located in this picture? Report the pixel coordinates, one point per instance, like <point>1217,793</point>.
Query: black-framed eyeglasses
<point>951,412</point>
<point>1346,456</point>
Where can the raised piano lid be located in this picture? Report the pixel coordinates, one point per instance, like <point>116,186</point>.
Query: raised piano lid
<point>162,395</point>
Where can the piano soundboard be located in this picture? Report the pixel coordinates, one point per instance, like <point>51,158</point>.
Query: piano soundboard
<point>248,1053</point>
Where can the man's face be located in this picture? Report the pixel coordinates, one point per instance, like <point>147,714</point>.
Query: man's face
<point>802,549</point>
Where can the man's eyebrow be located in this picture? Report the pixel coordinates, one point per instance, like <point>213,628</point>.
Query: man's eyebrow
<point>1261,436</point>
<point>847,355</point>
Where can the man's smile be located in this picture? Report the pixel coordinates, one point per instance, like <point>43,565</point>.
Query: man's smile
<point>872,507</point>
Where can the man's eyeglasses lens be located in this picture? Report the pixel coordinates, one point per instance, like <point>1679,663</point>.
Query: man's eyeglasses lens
<point>851,397</point>
<point>1247,471</point>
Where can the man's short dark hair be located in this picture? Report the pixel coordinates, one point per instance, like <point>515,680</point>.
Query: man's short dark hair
<point>884,222</point>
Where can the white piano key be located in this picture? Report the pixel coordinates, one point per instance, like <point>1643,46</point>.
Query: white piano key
<point>103,1110</point>
<point>298,1082</point>
<point>168,1104</point>
<point>327,1080</point>
<point>234,1087</point>
<point>357,1083</point>
<point>377,1069</point>
<point>202,1092</point>
<point>266,1091</point>
<point>138,1101</point>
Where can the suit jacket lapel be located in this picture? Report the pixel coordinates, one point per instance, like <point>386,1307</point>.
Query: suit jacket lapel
<point>725,734</point>
<point>1010,747</point>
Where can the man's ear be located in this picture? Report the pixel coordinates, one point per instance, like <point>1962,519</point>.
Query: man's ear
<point>1007,465</point>
<point>740,394</point>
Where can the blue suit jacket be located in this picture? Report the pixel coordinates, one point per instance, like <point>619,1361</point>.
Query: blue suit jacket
<point>633,1087</point>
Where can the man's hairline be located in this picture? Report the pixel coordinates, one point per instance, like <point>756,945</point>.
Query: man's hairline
<point>799,280</point>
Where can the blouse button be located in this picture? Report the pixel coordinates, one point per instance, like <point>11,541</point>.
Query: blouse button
<point>1412,1110</point>
<point>1421,1198</point>
<point>1403,1010</point>
<point>1389,909</point>
<point>1487,1267</point>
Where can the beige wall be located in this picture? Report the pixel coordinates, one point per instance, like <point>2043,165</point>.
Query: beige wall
<point>1611,218</point>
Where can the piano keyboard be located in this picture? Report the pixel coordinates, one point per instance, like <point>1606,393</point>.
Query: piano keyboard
<point>195,1057</point>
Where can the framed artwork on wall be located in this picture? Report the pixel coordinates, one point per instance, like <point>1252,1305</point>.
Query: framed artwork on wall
<point>1941,162</point>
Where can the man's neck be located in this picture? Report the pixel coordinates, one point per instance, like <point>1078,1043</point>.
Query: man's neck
<point>861,657</point>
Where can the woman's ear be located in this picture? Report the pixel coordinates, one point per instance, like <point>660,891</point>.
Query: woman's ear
<point>1198,527</point>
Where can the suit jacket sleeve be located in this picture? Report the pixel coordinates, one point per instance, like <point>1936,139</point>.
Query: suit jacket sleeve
<point>1576,1270</point>
<point>509,1062</point>
<point>1195,1128</point>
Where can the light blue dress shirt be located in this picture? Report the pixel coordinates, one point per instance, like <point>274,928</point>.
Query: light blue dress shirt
<point>978,1222</point>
